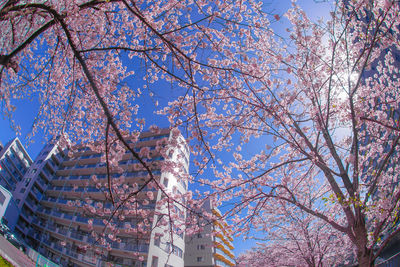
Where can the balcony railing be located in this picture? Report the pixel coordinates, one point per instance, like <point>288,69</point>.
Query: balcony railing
<point>130,247</point>
<point>86,238</point>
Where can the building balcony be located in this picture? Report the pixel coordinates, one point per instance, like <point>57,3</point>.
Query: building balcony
<point>54,192</point>
<point>224,240</point>
<point>46,174</point>
<point>51,165</point>
<point>36,194</point>
<point>224,259</point>
<point>222,227</point>
<point>30,204</point>
<point>63,233</point>
<point>58,158</point>
<point>22,229</point>
<point>223,251</point>
<point>70,189</point>
<point>57,215</point>
<point>98,223</point>
<point>130,247</point>
<point>90,260</point>
<point>77,178</point>
<point>27,218</point>
<point>53,200</point>
<point>41,183</point>
<point>39,223</point>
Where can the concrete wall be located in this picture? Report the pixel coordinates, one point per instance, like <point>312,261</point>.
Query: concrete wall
<point>9,211</point>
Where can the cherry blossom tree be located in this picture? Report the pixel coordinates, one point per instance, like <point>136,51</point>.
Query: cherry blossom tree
<point>318,109</point>
<point>269,115</point>
<point>293,237</point>
<point>298,239</point>
<point>71,56</point>
<point>76,56</point>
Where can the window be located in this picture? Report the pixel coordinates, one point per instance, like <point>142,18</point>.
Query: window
<point>178,231</point>
<point>154,261</point>
<point>2,198</point>
<point>165,182</point>
<point>27,181</point>
<point>199,259</point>
<point>201,247</point>
<point>199,235</point>
<point>175,250</point>
<point>157,241</point>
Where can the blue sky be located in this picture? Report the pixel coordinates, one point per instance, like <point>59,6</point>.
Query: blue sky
<point>27,109</point>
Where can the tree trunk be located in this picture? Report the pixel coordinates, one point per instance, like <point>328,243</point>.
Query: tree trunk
<point>364,254</point>
<point>365,257</point>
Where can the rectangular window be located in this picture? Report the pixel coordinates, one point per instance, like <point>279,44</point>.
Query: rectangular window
<point>157,241</point>
<point>199,259</point>
<point>165,182</point>
<point>177,251</point>
<point>201,247</point>
<point>154,261</point>
<point>2,198</point>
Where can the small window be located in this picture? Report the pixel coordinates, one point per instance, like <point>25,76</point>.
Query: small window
<point>2,198</point>
<point>201,247</point>
<point>154,261</point>
<point>27,181</point>
<point>199,235</point>
<point>157,241</point>
<point>199,259</point>
<point>165,182</point>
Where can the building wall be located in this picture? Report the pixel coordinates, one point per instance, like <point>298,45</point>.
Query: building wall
<point>164,249</point>
<point>5,197</point>
<point>14,162</point>
<point>11,215</point>
<point>8,209</point>
<point>30,191</point>
<point>213,245</point>
<point>199,249</point>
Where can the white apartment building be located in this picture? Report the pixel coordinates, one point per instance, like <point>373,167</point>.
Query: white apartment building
<point>14,164</point>
<point>66,206</point>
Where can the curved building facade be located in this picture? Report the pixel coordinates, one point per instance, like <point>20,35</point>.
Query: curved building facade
<point>74,222</point>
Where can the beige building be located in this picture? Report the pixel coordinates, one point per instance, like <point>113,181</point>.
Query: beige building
<point>213,246</point>
<point>68,228</point>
